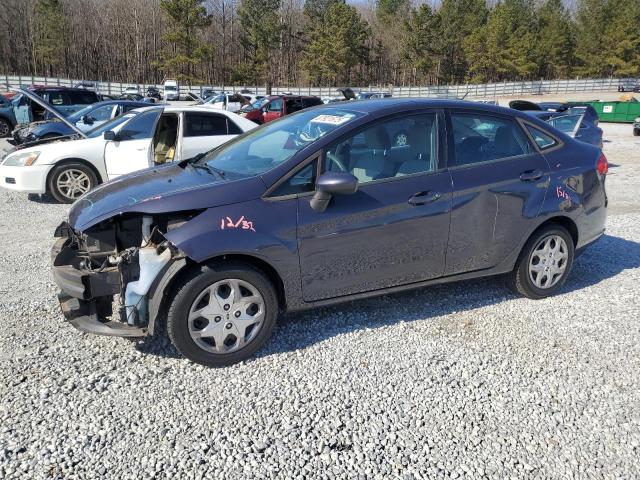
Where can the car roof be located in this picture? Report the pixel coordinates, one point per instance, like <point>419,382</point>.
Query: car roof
<point>390,105</point>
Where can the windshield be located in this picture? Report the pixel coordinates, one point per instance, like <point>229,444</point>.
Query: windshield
<point>565,123</point>
<point>170,87</point>
<point>264,148</point>
<point>80,113</point>
<point>110,125</point>
<point>216,99</point>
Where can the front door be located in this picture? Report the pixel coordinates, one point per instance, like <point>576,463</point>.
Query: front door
<point>499,182</point>
<point>273,110</point>
<point>394,229</point>
<point>130,151</point>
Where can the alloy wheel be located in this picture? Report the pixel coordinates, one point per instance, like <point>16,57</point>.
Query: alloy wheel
<point>226,316</point>
<point>548,262</point>
<point>73,183</point>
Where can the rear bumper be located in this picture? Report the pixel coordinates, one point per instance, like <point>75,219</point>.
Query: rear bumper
<point>86,296</point>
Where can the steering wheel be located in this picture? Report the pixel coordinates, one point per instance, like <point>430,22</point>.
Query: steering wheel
<point>337,161</point>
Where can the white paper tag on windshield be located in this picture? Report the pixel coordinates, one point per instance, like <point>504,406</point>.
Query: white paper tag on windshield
<point>332,119</point>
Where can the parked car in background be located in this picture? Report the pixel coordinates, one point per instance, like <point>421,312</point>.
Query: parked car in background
<point>275,106</point>
<point>65,101</point>
<point>171,90</point>
<point>232,101</point>
<point>86,85</point>
<point>7,117</point>
<point>131,91</point>
<point>153,92</point>
<point>629,85</point>
<point>320,208</point>
<point>208,92</point>
<point>372,95</point>
<point>68,168</point>
<point>636,127</point>
<point>573,124</point>
<point>86,119</point>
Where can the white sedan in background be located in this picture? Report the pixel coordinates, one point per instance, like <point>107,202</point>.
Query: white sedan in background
<point>139,139</point>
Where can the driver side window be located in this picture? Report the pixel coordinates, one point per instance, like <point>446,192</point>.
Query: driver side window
<point>275,105</point>
<point>387,149</point>
<point>140,127</point>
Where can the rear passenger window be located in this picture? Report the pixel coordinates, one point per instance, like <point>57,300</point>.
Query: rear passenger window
<point>82,97</point>
<point>233,128</point>
<point>387,149</point>
<point>203,124</point>
<point>480,138</point>
<point>57,98</point>
<point>543,140</point>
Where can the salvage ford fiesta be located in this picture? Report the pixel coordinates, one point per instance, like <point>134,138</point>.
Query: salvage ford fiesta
<point>323,207</point>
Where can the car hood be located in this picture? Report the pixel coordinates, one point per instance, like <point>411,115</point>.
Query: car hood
<point>164,189</point>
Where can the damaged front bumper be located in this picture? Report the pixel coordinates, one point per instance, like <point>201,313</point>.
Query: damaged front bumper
<point>86,295</point>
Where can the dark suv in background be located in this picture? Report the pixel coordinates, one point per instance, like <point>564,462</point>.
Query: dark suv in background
<point>65,100</point>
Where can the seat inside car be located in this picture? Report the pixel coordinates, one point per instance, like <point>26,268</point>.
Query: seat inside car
<point>418,157</point>
<point>368,163</point>
<point>165,141</point>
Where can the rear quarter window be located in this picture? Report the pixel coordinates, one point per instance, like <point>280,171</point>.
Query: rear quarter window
<point>542,139</point>
<point>82,97</point>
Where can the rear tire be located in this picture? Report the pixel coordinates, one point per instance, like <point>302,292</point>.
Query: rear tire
<point>213,330</point>
<point>70,181</point>
<point>544,263</point>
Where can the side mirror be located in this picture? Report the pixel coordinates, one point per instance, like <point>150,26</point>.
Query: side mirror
<point>330,184</point>
<point>110,135</point>
<point>264,109</point>
<point>87,120</point>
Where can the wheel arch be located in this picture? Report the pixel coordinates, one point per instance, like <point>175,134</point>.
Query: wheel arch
<point>74,160</point>
<point>164,287</point>
<point>563,221</point>
<point>8,119</point>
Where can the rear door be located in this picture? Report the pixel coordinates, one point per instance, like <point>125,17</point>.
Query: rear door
<point>394,229</point>
<point>202,131</point>
<point>130,151</point>
<point>499,184</point>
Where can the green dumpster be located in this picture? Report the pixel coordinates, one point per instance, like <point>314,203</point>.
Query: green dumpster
<point>616,111</point>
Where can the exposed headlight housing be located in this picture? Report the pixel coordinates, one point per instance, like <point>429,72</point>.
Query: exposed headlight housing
<point>637,119</point>
<point>21,159</point>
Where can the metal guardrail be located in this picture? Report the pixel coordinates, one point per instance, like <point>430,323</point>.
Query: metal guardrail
<point>488,90</point>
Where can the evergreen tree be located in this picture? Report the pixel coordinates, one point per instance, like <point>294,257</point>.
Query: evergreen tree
<point>591,19</point>
<point>185,50</point>
<point>337,42</point>
<point>621,40</point>
<point>556,42</point>
<point>49,38</point>
<point>504,48</point>
<point>457,20</point>
<point>261,29</point>
<point>419,48</point>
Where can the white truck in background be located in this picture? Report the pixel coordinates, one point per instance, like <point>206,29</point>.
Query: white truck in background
<point>171,90</point>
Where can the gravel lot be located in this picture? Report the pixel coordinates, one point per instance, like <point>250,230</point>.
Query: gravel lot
<point>463,380</point>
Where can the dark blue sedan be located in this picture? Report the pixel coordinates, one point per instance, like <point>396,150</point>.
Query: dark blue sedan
<point>323,207</point>
<point>86,119</point>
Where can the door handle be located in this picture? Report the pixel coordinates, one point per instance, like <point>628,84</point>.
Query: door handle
<point>141,149</point>
<point>422,198</point>
<point>531,175</point>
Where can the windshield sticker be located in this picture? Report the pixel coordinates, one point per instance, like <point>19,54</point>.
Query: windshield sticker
<point>242,223</point>
<point>332,119</point>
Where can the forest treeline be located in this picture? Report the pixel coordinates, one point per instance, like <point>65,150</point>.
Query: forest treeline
<point>319,42</point>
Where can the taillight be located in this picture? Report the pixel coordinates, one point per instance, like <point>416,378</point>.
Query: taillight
<point>602,165</point>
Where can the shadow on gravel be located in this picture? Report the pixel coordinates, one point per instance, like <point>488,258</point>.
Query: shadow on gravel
<point>44,199</point>
<point>607,258</point>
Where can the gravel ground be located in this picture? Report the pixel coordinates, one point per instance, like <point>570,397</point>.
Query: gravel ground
<point>463,380</point>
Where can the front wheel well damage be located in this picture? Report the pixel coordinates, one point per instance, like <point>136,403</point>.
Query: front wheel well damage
<point>176,281</point>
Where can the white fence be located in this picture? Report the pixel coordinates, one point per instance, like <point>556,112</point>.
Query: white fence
<point>488,90</point>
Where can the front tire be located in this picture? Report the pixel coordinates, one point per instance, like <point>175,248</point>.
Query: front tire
<point>5,128</point>
<point>222,314</point>
<point>70,181</point>
<point>544,263</point>
<point>636,132</point>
